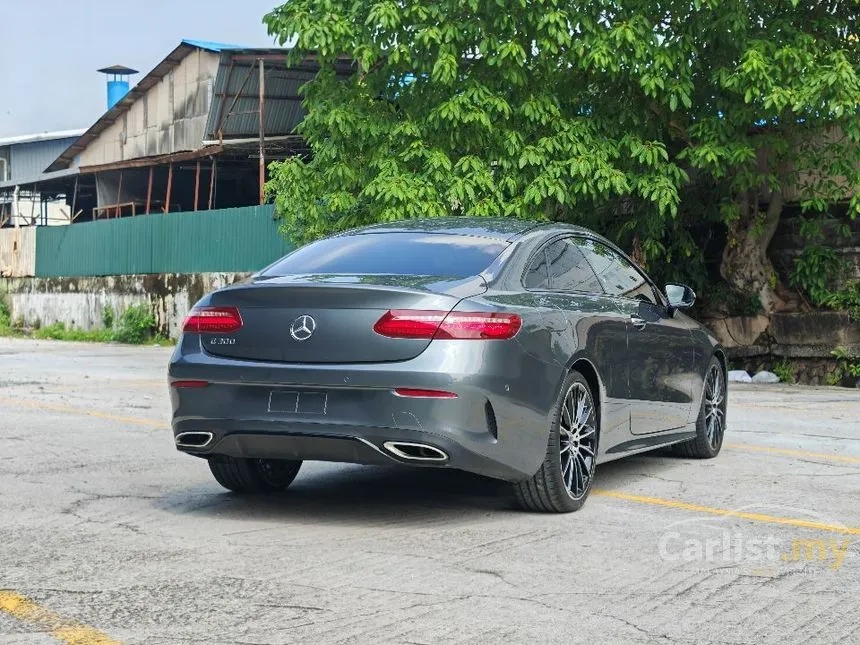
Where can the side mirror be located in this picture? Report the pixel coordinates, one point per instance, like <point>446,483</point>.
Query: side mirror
<point>680,296</point>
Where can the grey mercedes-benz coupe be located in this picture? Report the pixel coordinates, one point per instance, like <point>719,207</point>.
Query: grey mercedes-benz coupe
<point>519,350</point>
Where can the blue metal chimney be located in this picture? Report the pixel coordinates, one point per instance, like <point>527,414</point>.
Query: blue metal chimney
<point>117,85</point>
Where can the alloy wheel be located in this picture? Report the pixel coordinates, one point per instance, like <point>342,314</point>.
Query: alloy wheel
<point>715,411</point>
<point>577,440</point>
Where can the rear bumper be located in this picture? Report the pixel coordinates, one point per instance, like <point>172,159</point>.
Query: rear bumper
<point>497,426</point>
<point>360,446</point>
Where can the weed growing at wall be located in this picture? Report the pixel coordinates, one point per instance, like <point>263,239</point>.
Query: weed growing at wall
<point>848,370</point>
<point>58,331</point>
<point>785,370</point>
<point>5,320</point>
<point>136,326</point>
<point>107,316</point>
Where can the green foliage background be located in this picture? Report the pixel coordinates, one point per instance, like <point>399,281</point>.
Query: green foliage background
<point>647,120</point>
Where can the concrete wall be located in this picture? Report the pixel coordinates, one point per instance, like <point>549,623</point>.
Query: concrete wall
<point>170,117</point>
<point>788,335</point>
<point>79,302</point>
<point>804,340</point>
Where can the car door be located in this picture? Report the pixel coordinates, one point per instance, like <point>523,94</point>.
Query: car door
<point>597,329</point>
<point>659,357</point>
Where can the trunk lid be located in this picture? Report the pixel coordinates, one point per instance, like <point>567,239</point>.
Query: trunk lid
<point>329,319</point>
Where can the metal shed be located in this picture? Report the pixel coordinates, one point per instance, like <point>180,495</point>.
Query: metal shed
<point>195,133</point>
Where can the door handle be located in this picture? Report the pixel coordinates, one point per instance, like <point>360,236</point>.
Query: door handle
<point>637,322</point>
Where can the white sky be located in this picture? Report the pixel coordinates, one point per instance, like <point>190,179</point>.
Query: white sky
<point>50,50</point>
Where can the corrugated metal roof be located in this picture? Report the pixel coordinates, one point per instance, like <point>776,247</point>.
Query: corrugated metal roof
<point>209,45</point>
<point>283,110</point>
<point>152,78</point>
<point>40,136</point>
<point>45,176</point>
<point>237,118</point>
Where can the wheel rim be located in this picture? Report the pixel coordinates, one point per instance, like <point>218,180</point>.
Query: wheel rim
<point>715,409</point>
<point>273,472</point>
<point>577,440</point>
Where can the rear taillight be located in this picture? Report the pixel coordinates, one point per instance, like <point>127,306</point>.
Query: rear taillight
<point>460,325</point>
<point>409,323</point>
<point>213,320</point>
<point>493,326</point>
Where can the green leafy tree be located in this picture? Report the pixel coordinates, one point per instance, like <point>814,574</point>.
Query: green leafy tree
<point>644,119</point>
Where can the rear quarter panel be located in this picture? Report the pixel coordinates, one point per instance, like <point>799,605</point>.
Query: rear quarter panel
<point>558,331</point>
<point>705,346</point>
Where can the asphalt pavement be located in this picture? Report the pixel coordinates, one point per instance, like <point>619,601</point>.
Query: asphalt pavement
<point>109,535</point>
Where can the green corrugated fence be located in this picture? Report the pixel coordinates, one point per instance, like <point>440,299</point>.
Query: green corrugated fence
<point>231,239</point>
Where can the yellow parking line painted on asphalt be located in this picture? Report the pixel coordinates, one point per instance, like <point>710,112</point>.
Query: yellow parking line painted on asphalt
<point>793,453</point>
<point>653,501</point>
<point>66,631</point>
<point>56,407</point>
<point>755,517</point>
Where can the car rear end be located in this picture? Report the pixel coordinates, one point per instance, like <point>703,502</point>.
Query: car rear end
<point>390,354</point>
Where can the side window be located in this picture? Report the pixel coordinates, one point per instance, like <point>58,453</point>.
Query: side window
<point>537,276</point>
<point>617,275</point>
<point>569,270</point>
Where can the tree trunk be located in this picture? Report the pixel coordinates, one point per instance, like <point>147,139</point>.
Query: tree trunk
<point>745,264</point>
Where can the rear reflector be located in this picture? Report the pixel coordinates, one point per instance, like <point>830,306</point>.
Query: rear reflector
<point>189,384</point>
<point>424,394</point>
<point>213,320</point>
<point>459,325</point>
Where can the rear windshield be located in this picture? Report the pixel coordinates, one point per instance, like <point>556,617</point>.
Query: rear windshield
<point>410,253</point>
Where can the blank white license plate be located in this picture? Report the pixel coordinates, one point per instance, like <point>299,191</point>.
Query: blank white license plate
<point>297,402</point>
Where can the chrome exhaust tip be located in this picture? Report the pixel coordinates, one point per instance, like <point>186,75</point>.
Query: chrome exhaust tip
<point>415,451</point>
<point>193,439</point>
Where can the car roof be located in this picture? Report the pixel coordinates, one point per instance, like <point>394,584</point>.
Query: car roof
<point>504,229</point>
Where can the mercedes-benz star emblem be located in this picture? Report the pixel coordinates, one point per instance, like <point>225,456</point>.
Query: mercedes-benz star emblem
<point>303,327</point>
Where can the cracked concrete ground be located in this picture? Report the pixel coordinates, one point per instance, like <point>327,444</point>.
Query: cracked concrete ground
<point>105,524</point>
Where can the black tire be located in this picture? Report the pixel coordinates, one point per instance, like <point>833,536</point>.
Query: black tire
<point>557,486</point>
<point>253,475</point>
<point>711,423</point>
